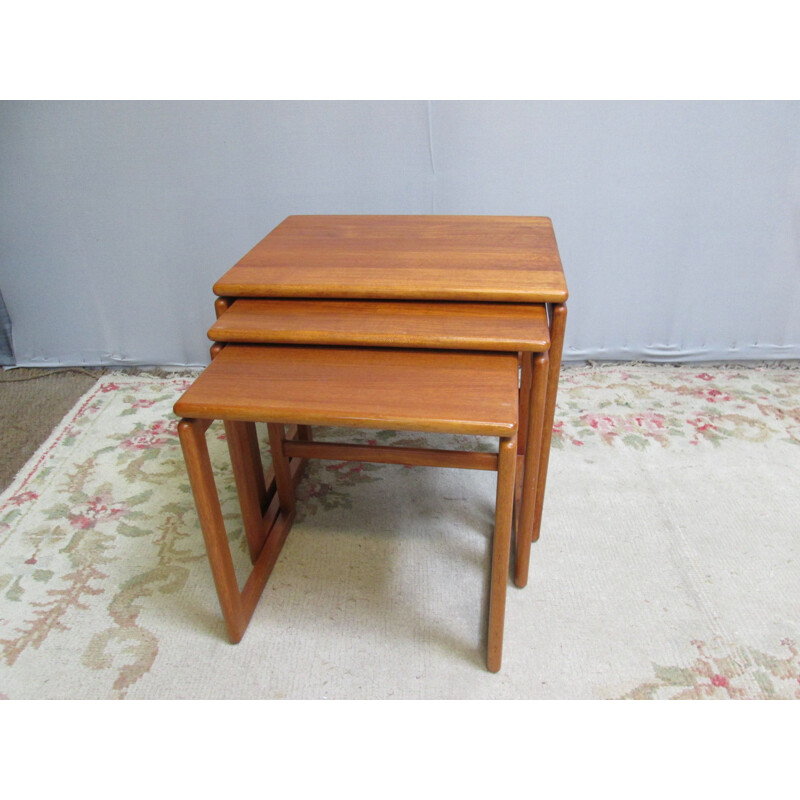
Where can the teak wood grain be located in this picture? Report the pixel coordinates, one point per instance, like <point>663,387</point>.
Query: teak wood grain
<point>456,326</point>
<point>432,257</point>
<point>438,391</point>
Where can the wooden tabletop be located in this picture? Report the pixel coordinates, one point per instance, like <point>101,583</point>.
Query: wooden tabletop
<point>375,323</point>
<point>478,258</point>
<point>441,391</point>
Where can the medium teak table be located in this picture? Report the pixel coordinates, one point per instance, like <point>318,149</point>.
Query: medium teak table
<point>463,259</point>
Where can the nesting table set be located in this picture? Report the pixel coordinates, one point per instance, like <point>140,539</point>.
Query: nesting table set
<point>439,324</point>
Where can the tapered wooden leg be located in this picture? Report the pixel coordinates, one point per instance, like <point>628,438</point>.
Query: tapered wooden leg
<point>530,472</point>
<point>526,361</point>
<point>526,375</point>
<point>248,473</point>
<point>501,550</point>
<point>558,324</point>
<point>201,478</point>
<point>280,466</point>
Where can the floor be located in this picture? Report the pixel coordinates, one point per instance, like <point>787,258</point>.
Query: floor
<point>667,566</point>
<point>32,403</point>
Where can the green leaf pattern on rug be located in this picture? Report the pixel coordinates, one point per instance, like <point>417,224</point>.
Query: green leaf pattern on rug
<point>87,517</point>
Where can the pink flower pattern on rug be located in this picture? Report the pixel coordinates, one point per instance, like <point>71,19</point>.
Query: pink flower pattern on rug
<point>726,671</point>
<point>693,406</point>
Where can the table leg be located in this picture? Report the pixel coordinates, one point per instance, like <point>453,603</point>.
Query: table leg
<point>221,305</point>
<point>198,465</point>
<point>304,433</point>
<point>526,375</point>
<point>526,362</point>
<point>237,606</point>
<point>501,549</point>
<point>538,395</point>
<point>281,467</point>
<point>248,473</point>
<point>558,323</point>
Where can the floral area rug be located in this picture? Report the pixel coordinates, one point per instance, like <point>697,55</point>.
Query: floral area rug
<point>668,565</point>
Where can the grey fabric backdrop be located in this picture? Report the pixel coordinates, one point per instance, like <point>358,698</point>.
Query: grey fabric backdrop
<point>6,346</point>
<point>678,222</point>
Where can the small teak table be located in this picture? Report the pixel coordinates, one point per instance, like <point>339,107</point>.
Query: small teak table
<point>418,390</point>
<point>340,302</point>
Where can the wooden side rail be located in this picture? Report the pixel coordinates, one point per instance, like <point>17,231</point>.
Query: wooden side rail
<point>409,456</point>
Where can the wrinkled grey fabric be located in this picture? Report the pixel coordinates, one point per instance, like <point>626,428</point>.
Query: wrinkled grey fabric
<point>6,345</point>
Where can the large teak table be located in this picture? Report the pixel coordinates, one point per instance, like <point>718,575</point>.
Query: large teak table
<point>454,262</point>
